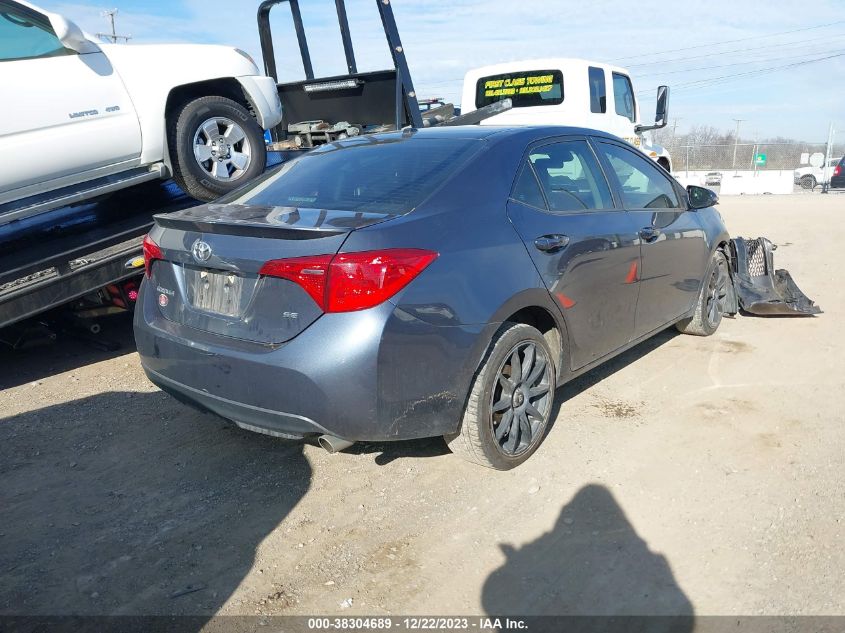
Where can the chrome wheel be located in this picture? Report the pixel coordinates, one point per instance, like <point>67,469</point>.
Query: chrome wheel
<point>717,291</point>
<point>522,399</point>
<point>222,149</point>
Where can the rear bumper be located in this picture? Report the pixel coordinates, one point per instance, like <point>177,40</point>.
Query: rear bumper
<point>265,420</point>
<point>837,182</point>
<point>378,374</point>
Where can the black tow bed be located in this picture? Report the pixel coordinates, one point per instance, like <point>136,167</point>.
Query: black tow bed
<point>59,256</point>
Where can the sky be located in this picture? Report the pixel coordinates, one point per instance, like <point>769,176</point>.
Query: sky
<point>780,70</point>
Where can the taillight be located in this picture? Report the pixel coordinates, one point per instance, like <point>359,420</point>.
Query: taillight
<point>309,272</point>
<point>352,281</point>
<point>836,170</point>
<point>151,252</point>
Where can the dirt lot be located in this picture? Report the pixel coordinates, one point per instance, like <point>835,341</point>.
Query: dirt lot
<point>690,475</point>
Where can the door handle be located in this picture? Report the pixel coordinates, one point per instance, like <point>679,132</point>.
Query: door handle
<point>551,243</point>
<point>649,233</point>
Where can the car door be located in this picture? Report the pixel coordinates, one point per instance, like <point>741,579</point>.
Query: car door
<point>585,249</point>
<point>63,115</point>
<point>623,115</point>
<point>672,241</point>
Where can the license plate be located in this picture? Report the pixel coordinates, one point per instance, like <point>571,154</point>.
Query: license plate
<point>220,292</point>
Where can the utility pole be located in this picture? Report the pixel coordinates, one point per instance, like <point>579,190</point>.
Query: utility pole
<point>674,129</point>
<point>113,36</point>
<point>828,150</point>
<point>736,140</point>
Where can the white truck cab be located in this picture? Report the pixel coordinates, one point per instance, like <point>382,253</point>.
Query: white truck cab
<point>79,118</point>
<point>566,91</point>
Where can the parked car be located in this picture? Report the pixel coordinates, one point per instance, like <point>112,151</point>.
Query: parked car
<point>440,281</point>
<point>83,118</point>
<point>837,179</point>
<point>809,177</point>
<point>713,179</point>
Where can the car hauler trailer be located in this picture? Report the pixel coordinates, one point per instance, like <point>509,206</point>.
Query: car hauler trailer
<point>91,252</point>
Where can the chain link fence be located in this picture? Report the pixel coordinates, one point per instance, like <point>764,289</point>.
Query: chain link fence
<point>784,165</point>
<point>745,156</point>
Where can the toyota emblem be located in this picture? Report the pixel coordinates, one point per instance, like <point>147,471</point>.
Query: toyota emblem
<point>201,251</point>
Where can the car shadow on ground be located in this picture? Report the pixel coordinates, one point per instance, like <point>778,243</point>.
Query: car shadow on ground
<point>72,348</point>
<point>129,503</point>
<point>592,563</point>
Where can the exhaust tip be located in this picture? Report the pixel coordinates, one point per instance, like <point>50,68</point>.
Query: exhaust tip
<point>333,444</point>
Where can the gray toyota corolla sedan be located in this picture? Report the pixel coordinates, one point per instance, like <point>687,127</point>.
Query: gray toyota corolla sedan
<point>426,282</point>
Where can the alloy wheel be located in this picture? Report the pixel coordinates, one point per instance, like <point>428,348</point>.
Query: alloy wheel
<point>222,149</point>
<point>717,291</point>
<point>522,399</point>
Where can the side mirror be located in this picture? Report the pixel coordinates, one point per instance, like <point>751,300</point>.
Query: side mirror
<point>70,35</point>
<point>701,197</point>
<point>661,114</point>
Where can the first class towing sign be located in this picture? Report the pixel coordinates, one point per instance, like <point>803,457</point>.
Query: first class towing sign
<point>528,84</point>
<point>528,88</point>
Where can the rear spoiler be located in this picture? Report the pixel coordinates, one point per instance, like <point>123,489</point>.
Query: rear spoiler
<point>293,223</point>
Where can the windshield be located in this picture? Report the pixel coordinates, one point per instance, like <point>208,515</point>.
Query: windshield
<point>377,174</point>
<point>524,89</point>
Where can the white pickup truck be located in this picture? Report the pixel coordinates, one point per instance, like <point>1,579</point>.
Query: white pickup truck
<point>79,118</point>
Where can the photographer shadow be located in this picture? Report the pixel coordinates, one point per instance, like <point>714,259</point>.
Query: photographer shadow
<point>592,563</point>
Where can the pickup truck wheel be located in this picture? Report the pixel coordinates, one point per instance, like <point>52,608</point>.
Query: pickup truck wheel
<point>712,300</point>
<point>509,408</point>
<point>216,146</point>
<point>808,182</point>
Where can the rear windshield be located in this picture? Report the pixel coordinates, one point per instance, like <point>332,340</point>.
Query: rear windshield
<point>390,175</point>
<point>526,88</point>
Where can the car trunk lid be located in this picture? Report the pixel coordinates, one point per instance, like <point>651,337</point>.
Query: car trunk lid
<point>208,276</point>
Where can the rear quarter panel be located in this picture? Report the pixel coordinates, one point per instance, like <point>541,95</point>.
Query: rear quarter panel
<point>445,319</point>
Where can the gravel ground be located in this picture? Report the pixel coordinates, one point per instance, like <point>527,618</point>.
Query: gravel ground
<point>689,475</point>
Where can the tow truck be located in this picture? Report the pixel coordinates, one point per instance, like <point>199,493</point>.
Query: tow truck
<point>568,91</point>
<point>88,257</point>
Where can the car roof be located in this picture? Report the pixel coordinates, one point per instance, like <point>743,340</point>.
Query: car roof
<point>527,133</point>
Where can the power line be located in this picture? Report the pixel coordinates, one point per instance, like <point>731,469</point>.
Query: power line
<point>742,39</point>
<point>745,63</point>
<point>782,45</point>
<point>709,81</point>
<point>826,38</point>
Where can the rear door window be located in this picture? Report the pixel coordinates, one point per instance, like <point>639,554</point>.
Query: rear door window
<point>640,181</point>
<point>570,177</point>
<point>525,88</point>
<point>623,96</point>
<point>598,90</point>
<point>527,189</point>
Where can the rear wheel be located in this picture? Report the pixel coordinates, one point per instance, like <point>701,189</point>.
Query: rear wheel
<point>808,182</point>
<point>712,300</point>
<point>509,407</point>
<point>216,145</point>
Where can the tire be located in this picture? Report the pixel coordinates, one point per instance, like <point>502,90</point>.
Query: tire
<point>808,182</point>
<point>711,300</point>
<point>198,130</point>
<point>495,400</point>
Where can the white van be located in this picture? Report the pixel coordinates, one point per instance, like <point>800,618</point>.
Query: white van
<point>562,91</point>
